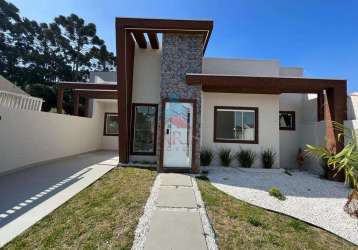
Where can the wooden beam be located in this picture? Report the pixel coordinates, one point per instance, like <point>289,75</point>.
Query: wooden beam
<point>203,27</point>
<point>86,114</point>
<point>260,85</point>
<point>320,106</point>
<point>125,63</point>
<point>139,37</point>
<point>79,85</point>
<point>98,94</point>
<point>60,99</point>
<point>153,39</point>
<point>76,102</point>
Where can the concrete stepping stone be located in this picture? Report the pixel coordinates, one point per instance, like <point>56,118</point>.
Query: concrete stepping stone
<point>175,230</point>
<point>182,197</point>
<point>175,180</point>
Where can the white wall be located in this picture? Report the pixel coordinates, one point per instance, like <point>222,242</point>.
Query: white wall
<point>268,106</point>
<point>102,77</point>
<point>240,67</point>
<point>108,142</point>
<point>290,139</point>
<point>352,107</point>
<point>146,76</point>
<point>291,72</point>
<point>29,137</point>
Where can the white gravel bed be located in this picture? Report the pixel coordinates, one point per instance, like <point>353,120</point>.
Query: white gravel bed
<point>309,198</point>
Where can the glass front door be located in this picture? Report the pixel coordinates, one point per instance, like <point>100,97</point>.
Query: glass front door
<point>178,135</point>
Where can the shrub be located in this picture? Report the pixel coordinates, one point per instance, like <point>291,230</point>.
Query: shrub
<point>246,158</point>
<point>225,156</point>
<point>202,177</point>
<point>206,156</point>
<point>275,192</point>
<point>268,158</point>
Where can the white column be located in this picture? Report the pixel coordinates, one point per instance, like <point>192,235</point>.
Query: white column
<point>1,97</point>
<point>40,106</point>
<point>37,105</point>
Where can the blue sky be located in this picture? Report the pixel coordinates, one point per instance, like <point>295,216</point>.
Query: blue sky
<point>321,36</point>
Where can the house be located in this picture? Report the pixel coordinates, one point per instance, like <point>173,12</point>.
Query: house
<point>171,100</point>
<point>14,97</point>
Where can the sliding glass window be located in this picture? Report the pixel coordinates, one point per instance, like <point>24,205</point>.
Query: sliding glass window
<point>237,125</point>
<point>144,130</point>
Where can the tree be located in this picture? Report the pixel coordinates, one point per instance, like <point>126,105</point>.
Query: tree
<point>78,40</point>
<point>36,54</point>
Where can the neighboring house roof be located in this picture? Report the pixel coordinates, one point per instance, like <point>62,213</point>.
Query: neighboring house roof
<point>6,85</point>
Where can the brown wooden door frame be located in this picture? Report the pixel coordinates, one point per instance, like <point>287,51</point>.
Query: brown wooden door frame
<point>162,133</point>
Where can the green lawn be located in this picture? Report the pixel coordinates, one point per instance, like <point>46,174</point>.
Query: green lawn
<point>239,225</point>
<point>103,216</point>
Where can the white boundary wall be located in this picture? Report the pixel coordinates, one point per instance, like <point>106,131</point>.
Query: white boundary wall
<point>30,137</point>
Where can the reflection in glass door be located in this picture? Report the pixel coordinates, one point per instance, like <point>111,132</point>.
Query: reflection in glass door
<point>178,134</point>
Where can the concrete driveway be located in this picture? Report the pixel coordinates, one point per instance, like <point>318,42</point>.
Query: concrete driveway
<point>30,194</point>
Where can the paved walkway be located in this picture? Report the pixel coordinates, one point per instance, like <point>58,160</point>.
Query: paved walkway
<point>177,219</point>
<point>30,194</point>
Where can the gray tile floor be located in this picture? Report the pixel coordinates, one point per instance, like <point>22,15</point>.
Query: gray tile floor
<point>176,222</point>
<point>28,195</point>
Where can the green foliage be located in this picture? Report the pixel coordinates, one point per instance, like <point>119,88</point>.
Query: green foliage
<point>246,158</point>
<point>225,157</point>
<point>298,225</point>
<point>206,156</point>
<point>268,158</point>
<point>254,221</point>
<point>346,160</point>
<point>44,53</point>
<point>202,177</point>
<point>275,192</point>
<point>45,92</point>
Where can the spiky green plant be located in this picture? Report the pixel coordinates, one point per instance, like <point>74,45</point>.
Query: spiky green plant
<point>225,157</point>
<point>346,160</point>
<point>268,158</point>
<point>246,158</point>
<point>206,156</point>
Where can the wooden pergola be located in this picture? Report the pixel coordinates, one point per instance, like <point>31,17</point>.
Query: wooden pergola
<point>86,90</point>
<point>331,101</point>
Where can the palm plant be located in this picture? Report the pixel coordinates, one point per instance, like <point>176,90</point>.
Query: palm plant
<point>346,160</point>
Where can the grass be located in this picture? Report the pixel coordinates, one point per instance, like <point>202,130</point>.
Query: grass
<point>239,225</point>
<point>103,216</point>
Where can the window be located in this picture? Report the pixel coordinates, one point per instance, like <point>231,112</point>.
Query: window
<point>144,130</point>
<point>287,120</point>
<point>236,124</point>
<point>110,124</point>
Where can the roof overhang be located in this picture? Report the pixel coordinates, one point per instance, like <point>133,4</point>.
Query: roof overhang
<point>87,86</point>
<point>139,26</point>
<point>260,84</point>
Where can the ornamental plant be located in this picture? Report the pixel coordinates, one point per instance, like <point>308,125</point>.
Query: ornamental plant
<point>346,160</point>
<point>225,157</point>
<point>268,158</point>
<point>246,158</point>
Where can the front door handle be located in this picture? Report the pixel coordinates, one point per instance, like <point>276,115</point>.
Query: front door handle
<point>167,132</point>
